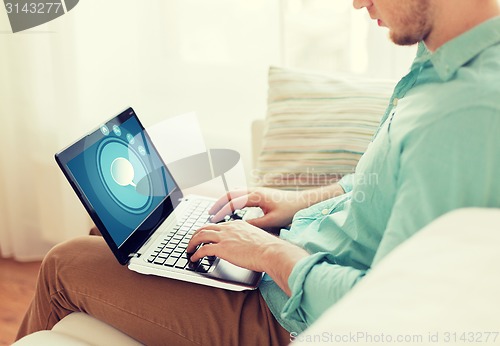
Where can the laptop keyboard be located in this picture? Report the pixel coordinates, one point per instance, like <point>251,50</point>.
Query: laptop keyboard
<point>171,251</point>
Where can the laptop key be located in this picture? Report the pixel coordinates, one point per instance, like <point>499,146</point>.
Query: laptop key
<point>170,261</point>
<point>159,261</point>
<point>181,263</point>
<point>207,262</point>
<point>202,269</point>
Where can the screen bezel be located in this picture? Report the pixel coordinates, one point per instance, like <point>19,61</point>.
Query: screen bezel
<point>143,232</point>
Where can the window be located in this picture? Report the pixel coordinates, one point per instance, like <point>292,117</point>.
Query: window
<point>331,36</point>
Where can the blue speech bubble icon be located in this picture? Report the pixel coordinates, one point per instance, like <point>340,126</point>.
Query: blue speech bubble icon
<point>123,172</point>
<point>26,14</point>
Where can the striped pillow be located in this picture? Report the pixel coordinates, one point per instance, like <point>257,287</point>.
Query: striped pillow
<point>317,126</point>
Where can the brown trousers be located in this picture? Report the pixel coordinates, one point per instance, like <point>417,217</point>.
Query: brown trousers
<point>83,275</point>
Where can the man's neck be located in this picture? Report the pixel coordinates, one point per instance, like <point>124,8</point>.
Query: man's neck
<point>453,18</point>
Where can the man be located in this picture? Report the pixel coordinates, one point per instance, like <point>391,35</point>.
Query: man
<point>437,149</point>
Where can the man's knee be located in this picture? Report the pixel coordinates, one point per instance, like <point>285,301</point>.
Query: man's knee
<point>68,247</point>
<point>72,250</point>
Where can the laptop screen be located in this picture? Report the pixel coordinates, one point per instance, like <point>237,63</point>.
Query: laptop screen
<point>119,177</point>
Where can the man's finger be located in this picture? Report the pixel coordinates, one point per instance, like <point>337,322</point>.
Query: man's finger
<point>251,200</point>
<point>202,236</point>
<point>203,251</point>
<point>222,201</point>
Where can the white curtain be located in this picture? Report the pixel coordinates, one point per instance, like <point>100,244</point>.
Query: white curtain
<point>38,112</point>
<point>164,58</point>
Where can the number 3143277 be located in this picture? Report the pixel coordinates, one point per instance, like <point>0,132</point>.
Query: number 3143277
<point>34,8</point>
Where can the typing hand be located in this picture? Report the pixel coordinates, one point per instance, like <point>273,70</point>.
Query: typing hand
<point>278,207</point>
<point>249,247</point>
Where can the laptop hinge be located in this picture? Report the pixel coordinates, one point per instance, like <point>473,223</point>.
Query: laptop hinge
<point>134,254</point>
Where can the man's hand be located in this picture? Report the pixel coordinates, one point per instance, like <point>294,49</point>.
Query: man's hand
<point>278,206</point>
<point>246,244</point>
<point>249,247</point>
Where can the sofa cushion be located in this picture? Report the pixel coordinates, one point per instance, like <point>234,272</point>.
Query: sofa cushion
<point>317,126</point>
<point>78,329</point>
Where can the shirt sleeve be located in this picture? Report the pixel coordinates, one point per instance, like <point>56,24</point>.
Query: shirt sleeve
<point>316,283</point>
<point>347,182</point>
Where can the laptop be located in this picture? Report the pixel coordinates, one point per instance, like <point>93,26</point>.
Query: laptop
<point>135,202</point>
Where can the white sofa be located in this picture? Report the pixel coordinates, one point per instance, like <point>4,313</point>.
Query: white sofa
<point>439,287</point>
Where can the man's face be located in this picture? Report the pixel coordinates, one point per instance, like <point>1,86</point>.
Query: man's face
<point>409,21</point>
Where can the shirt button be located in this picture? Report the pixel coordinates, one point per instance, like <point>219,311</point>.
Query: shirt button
<point>395,101</point>
<point>325,212</point>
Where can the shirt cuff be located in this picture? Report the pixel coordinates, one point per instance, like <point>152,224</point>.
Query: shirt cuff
<point>347,182</point>
<point>292,310</point>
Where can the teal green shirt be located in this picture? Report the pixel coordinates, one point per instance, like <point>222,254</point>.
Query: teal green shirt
<point>437,149</point>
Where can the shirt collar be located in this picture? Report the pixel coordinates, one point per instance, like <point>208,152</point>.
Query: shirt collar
<point>455,53</point>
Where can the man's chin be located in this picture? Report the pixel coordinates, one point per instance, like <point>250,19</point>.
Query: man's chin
<point>407,40</point>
